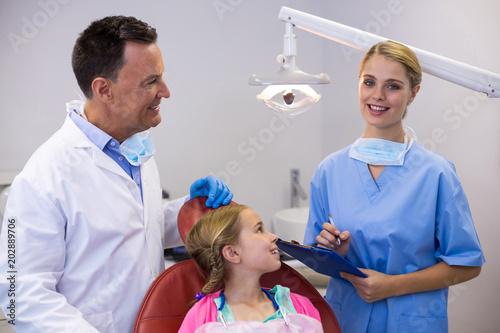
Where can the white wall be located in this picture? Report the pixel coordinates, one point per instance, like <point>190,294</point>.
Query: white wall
<point>210,48</point>
<point>467,123</point>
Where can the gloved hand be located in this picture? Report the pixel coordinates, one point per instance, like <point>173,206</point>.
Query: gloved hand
<point>213,188</point>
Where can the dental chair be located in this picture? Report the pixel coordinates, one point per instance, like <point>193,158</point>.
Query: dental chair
<point>167,300</point>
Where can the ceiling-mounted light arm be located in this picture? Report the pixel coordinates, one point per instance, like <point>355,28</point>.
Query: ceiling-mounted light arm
<point>445,68</point>
<point>289,73</point>
<point>289,47</point>
<point>288,90</point>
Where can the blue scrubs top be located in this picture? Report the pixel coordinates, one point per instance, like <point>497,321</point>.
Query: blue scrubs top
<point>412,217</point>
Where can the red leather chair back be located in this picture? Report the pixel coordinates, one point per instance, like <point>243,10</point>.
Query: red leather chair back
<point>167,300</point>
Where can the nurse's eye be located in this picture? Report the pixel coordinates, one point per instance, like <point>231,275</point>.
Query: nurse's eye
<point>393,87</point>
<point>369,83</point>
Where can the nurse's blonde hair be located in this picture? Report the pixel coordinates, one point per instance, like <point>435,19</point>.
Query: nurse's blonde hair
<point>207,239</point>
<point>397,52</point>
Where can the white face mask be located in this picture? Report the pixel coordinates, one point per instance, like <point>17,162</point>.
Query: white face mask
<point>380,152</point>
<point>138,148</point>
<point>77,106</point>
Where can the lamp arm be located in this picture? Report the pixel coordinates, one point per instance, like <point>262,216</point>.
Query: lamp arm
<point>289,47</point>
<point>445,68</point>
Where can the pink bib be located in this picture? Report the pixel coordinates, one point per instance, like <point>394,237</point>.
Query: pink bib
<point>295,323</point>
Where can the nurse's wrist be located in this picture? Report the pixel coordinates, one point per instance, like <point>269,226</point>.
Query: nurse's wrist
<point>408,283</point>
<point>398,285</point>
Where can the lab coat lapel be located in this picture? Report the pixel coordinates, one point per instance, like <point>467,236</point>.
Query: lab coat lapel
<point>147,194</point>
<point>153,215</point>
<point>79,140</point>
<point>104,161</point>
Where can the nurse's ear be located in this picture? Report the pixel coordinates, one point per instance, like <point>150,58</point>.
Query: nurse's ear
<point>232,254</point>
<point>413,94</point>
<point>102,89</point>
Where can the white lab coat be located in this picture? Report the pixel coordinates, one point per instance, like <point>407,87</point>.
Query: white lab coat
<point>87,247</point>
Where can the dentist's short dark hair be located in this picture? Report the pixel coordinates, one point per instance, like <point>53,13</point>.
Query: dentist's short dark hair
<point>100,49</point>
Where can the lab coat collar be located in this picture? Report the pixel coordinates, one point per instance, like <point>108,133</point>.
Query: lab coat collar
<point>78,139</point>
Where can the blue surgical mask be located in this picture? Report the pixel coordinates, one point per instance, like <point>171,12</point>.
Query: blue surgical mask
<point>380,152</point>
<point>138,148</point>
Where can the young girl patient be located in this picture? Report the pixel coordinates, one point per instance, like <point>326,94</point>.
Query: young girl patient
<point>231,244</point>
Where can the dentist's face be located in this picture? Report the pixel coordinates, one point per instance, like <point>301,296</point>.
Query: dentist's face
<point>138,91</point>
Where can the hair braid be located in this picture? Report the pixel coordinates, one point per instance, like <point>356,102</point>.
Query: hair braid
<point>216,273</point>
<point>207,239</point>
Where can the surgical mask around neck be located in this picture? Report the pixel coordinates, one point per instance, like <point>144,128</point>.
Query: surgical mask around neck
<point>77,106</point>
<point>138,148</point>
<point>380,152</point>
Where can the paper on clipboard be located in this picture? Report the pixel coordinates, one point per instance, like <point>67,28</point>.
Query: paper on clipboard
<point>319,259</point>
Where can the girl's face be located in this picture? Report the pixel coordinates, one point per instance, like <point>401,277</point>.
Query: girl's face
<point>384,94</point>
<point>257,246</point>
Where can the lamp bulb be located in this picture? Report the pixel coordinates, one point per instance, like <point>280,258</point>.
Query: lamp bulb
<point>288,97</point>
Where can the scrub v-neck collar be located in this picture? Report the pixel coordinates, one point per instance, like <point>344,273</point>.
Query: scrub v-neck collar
<point>374,187</point>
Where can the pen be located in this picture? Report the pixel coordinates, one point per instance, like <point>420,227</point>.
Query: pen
<point>337,237</point>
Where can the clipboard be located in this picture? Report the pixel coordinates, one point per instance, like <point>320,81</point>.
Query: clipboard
<point>319,259</point>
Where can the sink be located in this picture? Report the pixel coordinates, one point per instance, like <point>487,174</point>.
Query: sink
<point>290,224</point>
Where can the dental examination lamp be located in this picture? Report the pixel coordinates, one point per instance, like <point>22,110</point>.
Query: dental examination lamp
<point>288,90</point>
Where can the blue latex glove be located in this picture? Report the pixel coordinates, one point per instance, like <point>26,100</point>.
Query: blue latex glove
<point>213,188</point>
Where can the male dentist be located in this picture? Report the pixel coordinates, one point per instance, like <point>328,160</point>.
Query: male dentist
<point>85,227</point>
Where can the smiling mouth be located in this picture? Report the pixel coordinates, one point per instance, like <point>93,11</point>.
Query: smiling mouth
<point>377,108</point>
<point>155,108</point>
<point>275,251</point>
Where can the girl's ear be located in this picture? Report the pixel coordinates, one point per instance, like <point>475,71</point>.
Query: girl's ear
<point>231,253</point>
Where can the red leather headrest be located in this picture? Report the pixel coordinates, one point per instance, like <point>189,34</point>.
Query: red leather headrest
<point>190,213</point>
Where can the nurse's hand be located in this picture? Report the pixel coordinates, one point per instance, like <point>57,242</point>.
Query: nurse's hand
<point>374,287</point>
<point>212,187</point>
<point>327,238</point>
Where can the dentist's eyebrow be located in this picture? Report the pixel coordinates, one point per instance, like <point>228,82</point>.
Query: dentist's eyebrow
<point>150,78</point>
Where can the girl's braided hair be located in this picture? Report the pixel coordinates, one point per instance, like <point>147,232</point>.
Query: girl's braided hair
<point>208,237</point>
